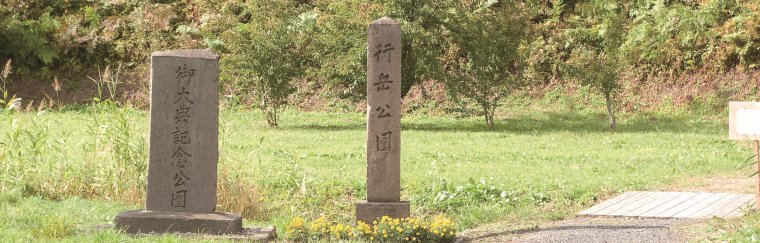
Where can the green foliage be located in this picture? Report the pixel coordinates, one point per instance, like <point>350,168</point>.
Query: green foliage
<point>656,39</point>
<point>106,82</point>
<point>55,35</point>
<point>596,39</point>
<point>53,226</point>
<point>740,38</point>
<point>484,66</point>
<point>36,157</point>
<point>669,37</point>
<point>340,46</point>
<point>742,229</point>
<point>423,25</point>
<point>26,38</point>
<point>267,54</point>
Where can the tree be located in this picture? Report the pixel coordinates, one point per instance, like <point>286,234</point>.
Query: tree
<point>267,53</point>
<point>599,70</point>
<point>482,61</point>
<point>340,47</point>
<point>596,41</point>
<point>341,41</point>
<point>422,23</point>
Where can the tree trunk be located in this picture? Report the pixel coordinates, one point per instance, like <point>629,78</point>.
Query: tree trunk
<point>610,113</point>
<point>271,115</point>
<point>408,69</point>
<point>408,61</point>
<point>489,116</point>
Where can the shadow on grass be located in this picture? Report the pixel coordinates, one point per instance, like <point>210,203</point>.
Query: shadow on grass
<point>547,122</point>
<point>327,127</point>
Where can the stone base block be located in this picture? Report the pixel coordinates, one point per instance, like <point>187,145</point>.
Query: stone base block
<point>370,211</point>
<point>142,221</point>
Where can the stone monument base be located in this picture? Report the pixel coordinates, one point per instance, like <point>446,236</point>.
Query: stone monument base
<point>370,211</point>
<point>142,221</point>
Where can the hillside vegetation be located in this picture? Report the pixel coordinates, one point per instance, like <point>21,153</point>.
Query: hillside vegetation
<point>466,56</point>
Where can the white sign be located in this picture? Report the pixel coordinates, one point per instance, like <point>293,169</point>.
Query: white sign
<point>744,120</point>
<point>748,122</point>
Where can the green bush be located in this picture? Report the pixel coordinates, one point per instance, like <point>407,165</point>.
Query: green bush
<point>485,66</point>
<point>267,54</point>
<point>28,40</point>
<point>326,41</point>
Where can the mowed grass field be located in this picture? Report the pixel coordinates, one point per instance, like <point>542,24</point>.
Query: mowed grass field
<point>66,173</point>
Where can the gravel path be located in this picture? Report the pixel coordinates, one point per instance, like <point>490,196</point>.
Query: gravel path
<point>590,230</point>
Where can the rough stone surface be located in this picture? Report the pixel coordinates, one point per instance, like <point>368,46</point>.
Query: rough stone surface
<point>384,111</point>
<point>268,233</point>
<point>183,131</point>
<point>142,221</point>
<point>191,53</point>
<point>383,124</point>
<point>255,234</point>
<point>369,211</point>
<point>182,168</point>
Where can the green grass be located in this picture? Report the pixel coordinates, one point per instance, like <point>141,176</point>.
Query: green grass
<point>33,219</point>
<point>534,167</point>
<point>742,229</point>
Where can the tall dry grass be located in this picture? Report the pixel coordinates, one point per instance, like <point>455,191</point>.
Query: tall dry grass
<point>103,156</point>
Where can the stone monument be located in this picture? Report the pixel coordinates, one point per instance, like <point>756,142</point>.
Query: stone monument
<point>182,167</point>
<point>383,124</point>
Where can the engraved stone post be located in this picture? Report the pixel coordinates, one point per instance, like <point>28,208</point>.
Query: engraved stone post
<point>183,132</point>
<point>181,192</point>
<point>383,124</point>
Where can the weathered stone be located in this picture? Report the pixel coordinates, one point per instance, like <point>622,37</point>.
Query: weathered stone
<point>183,131</point>
<point>142,221</point>
<point>383,124</point>
<point>384,111</point>
<point>370,211</point>
<point>184,119</point>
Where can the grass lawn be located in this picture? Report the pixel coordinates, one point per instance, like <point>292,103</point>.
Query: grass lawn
<point>65,172</point>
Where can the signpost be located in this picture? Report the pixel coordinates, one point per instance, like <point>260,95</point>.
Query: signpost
<point>744,124</point>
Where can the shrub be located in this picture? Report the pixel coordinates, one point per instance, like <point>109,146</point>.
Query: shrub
<point>266,54</point>
<point>484,66</point>
<point>26,37</point>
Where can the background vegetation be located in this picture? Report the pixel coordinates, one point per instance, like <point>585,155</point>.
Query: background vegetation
<point>312,53</point>
<point>542,74</point>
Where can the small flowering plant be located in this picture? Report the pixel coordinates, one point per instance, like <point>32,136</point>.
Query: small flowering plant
<point>296,229</point>
<point>385,229</point>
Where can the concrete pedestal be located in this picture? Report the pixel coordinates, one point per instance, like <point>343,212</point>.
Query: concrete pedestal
<point>370,211</point>
<point>142,221</point>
